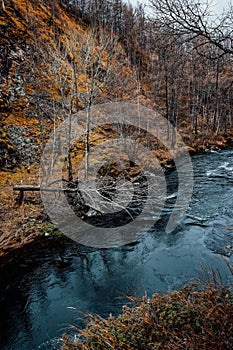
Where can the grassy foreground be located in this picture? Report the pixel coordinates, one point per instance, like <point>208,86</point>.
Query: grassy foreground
<point>191,318</point>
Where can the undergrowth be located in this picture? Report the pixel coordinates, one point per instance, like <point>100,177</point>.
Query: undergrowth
<point>190,318</point>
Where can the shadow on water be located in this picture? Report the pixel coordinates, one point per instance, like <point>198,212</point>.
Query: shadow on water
<point>52,285</point>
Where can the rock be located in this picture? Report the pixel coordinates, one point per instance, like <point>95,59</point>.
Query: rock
<point>22,150</point>
<point>92,212</point>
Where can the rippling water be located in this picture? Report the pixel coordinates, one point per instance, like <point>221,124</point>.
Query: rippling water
<point>53,288</point>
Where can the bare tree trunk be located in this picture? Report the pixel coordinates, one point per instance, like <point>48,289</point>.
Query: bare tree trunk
<point>87,134</point>
<point>69,162</point>
<point>216,107</point>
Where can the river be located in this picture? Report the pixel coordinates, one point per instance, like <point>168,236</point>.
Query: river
<point>52,289</point>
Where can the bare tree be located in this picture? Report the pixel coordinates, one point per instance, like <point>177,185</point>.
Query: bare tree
<point>87,69</point>
<point>100,63</point>
<point>193,19</point>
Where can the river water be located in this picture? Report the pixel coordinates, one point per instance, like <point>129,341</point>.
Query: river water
<point>52,289</point>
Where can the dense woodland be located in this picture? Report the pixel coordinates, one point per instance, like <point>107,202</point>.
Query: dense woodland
<point>60,57</point>
<point>183,65</point>
<point>188,78</point>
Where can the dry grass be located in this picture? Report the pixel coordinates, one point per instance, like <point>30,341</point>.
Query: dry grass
<point>19,224</point>
<point>191,318</point>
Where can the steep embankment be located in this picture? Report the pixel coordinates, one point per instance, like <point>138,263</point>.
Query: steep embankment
<point>51,65</point>
<point>27,29</point>
<point>48,61</point>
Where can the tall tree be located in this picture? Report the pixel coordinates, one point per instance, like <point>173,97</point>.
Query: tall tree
<point>192,19</point>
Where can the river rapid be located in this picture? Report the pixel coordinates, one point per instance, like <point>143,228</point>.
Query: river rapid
<point>51,289</point>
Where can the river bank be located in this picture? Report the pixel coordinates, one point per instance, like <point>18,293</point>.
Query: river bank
<point>194,317</point>
<point>24,225</point>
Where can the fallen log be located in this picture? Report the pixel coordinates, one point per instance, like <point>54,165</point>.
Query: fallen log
<point>24,188</point>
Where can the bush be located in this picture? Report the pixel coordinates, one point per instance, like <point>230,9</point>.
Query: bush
<point>191,318</point>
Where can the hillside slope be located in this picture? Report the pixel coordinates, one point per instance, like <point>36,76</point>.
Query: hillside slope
<point>48,60</point>
<point>52,64</point>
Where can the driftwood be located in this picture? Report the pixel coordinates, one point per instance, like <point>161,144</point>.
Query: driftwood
<point>22,189</point>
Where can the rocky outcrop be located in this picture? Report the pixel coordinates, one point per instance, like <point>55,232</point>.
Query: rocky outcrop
<point>17,148</point>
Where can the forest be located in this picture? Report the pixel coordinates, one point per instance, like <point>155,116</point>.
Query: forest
<point>178,63</point>
<point>168,67</point>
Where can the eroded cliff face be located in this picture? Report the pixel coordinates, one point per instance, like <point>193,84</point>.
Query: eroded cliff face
<point>12,87</point>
